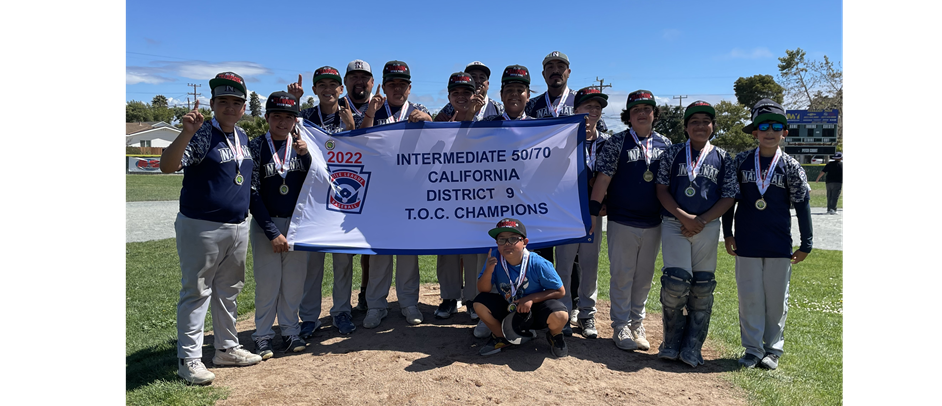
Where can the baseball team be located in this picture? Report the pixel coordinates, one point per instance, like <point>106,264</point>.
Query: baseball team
<point>656,195</point>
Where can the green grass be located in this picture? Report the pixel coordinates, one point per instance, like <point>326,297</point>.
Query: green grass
<point>810,372</point>
<point>819,195</point>
<point>147,188</point>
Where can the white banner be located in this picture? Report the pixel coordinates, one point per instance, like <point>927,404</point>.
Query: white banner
<point>437,188</point>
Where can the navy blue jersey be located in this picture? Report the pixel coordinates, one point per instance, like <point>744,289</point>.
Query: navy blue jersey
<point>631,200</point>
<point>381,117</point>
<point>267,200</point>
<point>331,123</point>
<point>592,149</point>
<point>536,108</point>
<point>492,108</point>
<point>358,110</point>
<point>767,233</point>
<point>209,171</point>
<point>715,180</point>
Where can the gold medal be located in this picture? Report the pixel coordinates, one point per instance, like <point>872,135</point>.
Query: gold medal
<point>284,188</point>
<point>761,204</point>
<point>512,307</point>
<point>648,175</point>
<point>690,191</point>
<point>238,179</point>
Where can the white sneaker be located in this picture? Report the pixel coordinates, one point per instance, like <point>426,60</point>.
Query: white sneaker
<point>637,334</point>
<point>373,317</point>
<point>413,315</point>
<point>194,372</point>
<point>574,317</point>
<point>236,356</point>
<point>624,340</point>
<point>481,330</point>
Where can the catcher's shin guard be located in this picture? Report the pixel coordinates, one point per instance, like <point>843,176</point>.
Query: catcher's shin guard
<point>699,310</point>
<point>675,289</point>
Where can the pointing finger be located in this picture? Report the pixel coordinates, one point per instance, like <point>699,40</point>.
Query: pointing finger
<point>196,106</point>
<point>379,89</point>
<point>300,80</point>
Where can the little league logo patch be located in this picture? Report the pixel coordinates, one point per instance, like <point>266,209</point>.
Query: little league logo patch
<point>348,184</point>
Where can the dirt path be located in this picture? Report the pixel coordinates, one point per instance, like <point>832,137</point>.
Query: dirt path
<point>437,363</point>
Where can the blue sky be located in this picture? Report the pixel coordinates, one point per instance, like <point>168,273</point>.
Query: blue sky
<point>668,48</point>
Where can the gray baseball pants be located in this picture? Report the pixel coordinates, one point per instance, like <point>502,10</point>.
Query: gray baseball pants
<point>762,284</point>
<point>588,277</point>
<point>381,273</point>
<point>631,255</point>
<point>448,269</point>
<point>694,254</point>
<point>279,283</point>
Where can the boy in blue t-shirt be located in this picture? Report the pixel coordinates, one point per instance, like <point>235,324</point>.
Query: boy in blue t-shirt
<point>528,293</point>
<point>769,182</point>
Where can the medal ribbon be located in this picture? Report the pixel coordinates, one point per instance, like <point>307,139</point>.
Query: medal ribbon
<point>237,150</point>
<point>562,102</point>
<point>280,165</point>
<point>402,113</point>
<point>693,171</point>
<point>763,183</point>
<point>523,116</point>
<point>336,115</point>
<point>648,152</point>
<point>480,115</point>
<point>354,108</point>
<point>523,270</point>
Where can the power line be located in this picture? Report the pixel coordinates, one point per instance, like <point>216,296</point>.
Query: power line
<point>195,95</point>
<point>681,102</point>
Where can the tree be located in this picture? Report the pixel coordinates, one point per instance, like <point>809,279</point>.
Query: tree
<point>254,126</point>
<point>308,104</point>
<point>159,101</point>
<point>730,119</point>
<point>255,106</point>
<point>812,85</point>
<point>670,123</point>
<point>137,112</point>
<point>754,88</point>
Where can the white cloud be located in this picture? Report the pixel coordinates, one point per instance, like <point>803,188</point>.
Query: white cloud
<point>755,53</point>
<point>197,70</point>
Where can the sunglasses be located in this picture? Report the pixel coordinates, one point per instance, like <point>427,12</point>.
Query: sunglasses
<point>511,240</point>
<point>774,126</point>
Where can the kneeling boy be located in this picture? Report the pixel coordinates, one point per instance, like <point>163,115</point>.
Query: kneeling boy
<point>529,292</point>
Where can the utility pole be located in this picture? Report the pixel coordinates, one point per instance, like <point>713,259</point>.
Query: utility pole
<point>601,86</point>
<point>195,95</point>
<point>681,102</point>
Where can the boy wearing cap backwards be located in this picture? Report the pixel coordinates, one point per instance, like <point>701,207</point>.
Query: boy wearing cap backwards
<point>769,181</point>
<point>461,88</point>
<point>696,184</point>
<point>280,169</point>
<point>528,293</point>
<point>211,227</point>
<point>514,93</point>
<point>483,106</point>
<point>625,174</point>
<point>332,118</point>
<point>588,101</point>
<point>396,107</point>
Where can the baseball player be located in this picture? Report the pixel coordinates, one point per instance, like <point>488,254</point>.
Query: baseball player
<point>282,163</point>
<point>589,101</point>
<point>483,106</point>
<point>769,181</point>
<point>397,83</point>
<point>625,175</point>
<point>333,118</point>
<point>519,293</point>
<point>395,107</point>
<point>695,184</point>
<point>461,94</point>
<point>514,93</point>
<point>211,227</point>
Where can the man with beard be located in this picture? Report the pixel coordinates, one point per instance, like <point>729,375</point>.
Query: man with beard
<point>483,106</point>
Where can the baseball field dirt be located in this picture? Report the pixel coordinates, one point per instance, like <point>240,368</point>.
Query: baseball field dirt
<point>437,363</point>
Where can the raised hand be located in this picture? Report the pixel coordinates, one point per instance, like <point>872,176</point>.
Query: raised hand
<point>347,117</point>
<point>377,101</point>
<point>193,120</point>
<point>296,89</point>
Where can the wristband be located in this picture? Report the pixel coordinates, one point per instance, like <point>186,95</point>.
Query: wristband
<point>594,207</point>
